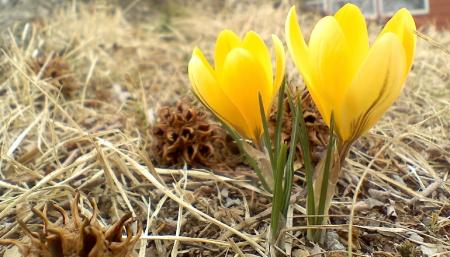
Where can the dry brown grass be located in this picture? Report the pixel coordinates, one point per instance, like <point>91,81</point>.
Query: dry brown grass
<point>394,193</point>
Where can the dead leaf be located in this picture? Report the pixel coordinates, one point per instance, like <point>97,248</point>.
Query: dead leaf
<point>367,204</point>
<point>413,236</point>
<point>263,162</point>
<point>390,210</point>
<point>300,253</point>
<point>12,252</point>
<point>431,249</point>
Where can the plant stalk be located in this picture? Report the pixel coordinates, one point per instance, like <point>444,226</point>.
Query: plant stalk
<point>323,195</point>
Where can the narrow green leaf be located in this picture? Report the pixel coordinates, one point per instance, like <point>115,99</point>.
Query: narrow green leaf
<point>290,162</point>
<point>249,159</point>
<point>326,173</point>
<point>277,199</point>
<point>288,180</point>
<point>304,144</point>
<point>291,103</point>
<point>266,138</point>
<point>280,115</point>
<point>239,141</point>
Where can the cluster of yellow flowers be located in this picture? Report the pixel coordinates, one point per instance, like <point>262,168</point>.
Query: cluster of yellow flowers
<point>344,75</point>
<point>351,83</point>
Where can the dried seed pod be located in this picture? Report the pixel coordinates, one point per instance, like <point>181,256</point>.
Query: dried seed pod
<point>317,129</point>
<point>186,134</point>
<point>77,235</point>
<point>57,72</point>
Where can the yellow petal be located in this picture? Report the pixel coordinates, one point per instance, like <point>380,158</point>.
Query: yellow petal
<point>207,88</point>
<point>242,79</point>
<point>402,24</point>
<point>226,41</point>
<point>329,55</point>
<point>256,46</point>
<point>280,62</point>
<point>374,89</point>
<point>297,45</point>
<point>353,24</point>
<point>301,56</point>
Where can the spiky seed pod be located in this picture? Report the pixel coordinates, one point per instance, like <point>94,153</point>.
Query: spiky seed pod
<point>317,129</point>
<point>77,235</point>
<point>186,134</point>
<point>57,72</point>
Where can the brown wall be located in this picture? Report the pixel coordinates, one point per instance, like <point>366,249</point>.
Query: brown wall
<point>439,14</point>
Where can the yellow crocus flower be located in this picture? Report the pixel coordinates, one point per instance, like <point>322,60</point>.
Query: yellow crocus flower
<point>345,76</point>
<point>243,69</point>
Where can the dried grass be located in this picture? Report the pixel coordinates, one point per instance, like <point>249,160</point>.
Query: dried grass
<point>394,193</point>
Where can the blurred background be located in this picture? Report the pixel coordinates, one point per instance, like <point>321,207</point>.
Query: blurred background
<point>425,11</point>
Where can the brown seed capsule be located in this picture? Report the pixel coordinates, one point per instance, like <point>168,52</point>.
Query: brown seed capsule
<point>78,235</point>
<point>317,129</point>
<point>57,72</point>
<point>186,134</point>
